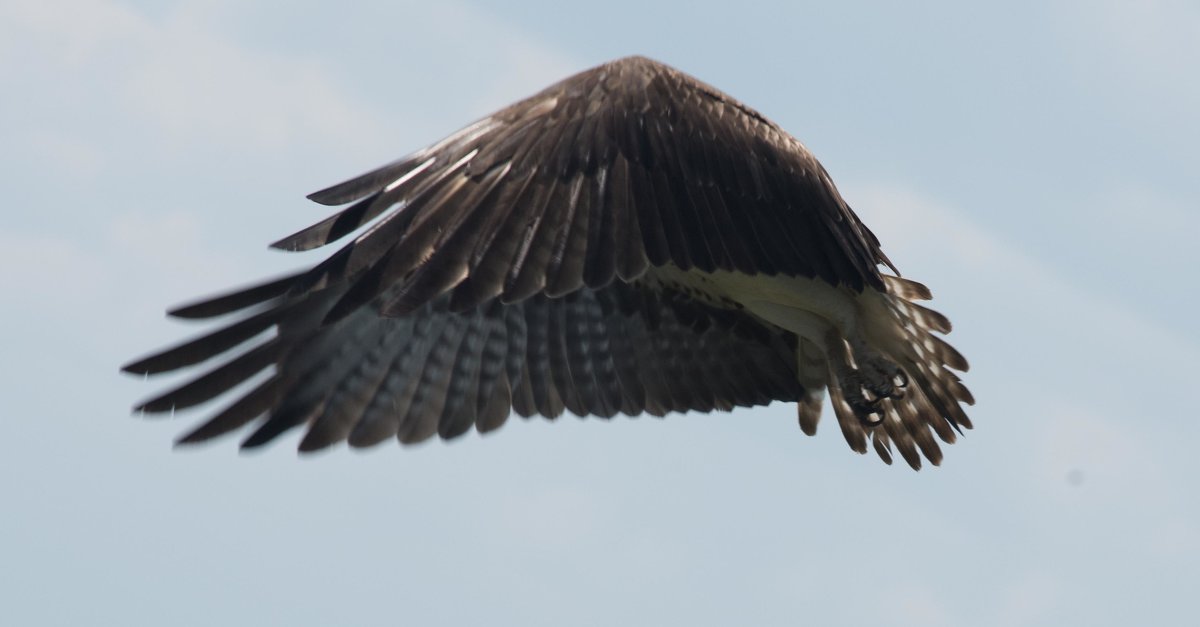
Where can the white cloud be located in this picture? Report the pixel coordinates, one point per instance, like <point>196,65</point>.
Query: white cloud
<point>939,241</point>
<point>176,245</point>
<point>195,82</point>
<point>1177,537</point>
<point>913,603</point>
<point>527,65</point>
<point>1148,220</point>
<point>73,156</point>
<point>556,518</point>
<point>181,77</point>
<point>181,81</point>
<point>1082,390</point>
<point>1025,598</point>
<point>1138,58</point>
<point>59,38</point>
<point>1030,600</point>
<point>1151,42</point>
<point>43,272</point>
<point>1096,459</point>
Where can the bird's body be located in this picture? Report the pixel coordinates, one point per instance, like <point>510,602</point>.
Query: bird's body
<point>628,240</point>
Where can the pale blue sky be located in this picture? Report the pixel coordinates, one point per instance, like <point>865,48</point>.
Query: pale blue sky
<point>1033,162</point>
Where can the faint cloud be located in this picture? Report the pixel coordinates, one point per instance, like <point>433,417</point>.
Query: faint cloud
<point>68,39</point>
<point>1119,463</point>
<point>922,233</point>
<point>72,156</point>
<point>528,67</point>
<point>910,603</point>
<point>193,81</point>
<point>179,81</point>
<point>45,273</point>
<point>555,518</point>
<point>1063,351</point>
<point>183,75</point>
<point>1153,41</point>
<point>1141,57</point>
<point>925,231</point>
<point>172,245</point>
<point>60,273</point>
<point>1176,538</point>
<point>1146,217</point>
<point>1030,600</point>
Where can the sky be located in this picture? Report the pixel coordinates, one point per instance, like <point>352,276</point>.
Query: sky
<point>1032,162</point>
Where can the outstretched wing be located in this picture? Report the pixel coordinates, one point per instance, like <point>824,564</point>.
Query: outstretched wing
<point>629,165</point>
<point>502,268</point>
<point>624,348</point>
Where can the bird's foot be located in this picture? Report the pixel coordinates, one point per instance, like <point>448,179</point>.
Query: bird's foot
<point>873,381</point>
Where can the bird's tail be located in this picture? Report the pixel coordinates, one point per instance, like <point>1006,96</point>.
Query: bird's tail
<point>906,333</point>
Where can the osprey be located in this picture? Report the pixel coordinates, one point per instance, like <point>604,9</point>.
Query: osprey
<point>629,240</point>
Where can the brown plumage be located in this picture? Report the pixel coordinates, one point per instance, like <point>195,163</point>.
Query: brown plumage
<point>628,240</point>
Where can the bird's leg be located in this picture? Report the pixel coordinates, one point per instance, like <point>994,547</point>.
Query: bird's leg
<point>880,376</point>
<point>867,381</point>
<point>850,380</point>
<point>866,406</point>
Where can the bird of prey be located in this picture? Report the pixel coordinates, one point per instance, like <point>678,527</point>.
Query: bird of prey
<point>629,240</point>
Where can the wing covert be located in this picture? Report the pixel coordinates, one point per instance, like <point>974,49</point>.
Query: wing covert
<point>626,166</point>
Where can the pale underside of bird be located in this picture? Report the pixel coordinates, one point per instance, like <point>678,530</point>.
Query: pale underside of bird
<point>629,240</point>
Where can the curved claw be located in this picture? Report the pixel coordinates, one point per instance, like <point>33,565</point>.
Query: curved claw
<point>866,389</point>
<point>871,420</point>
<point>869,412</point>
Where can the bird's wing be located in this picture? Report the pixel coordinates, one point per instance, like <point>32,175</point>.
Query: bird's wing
<point>625,166</point>
<point>624,348</point>
<point>486,272</point>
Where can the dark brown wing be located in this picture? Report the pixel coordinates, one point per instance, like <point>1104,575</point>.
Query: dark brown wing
<point>499,269</point>
<point>623,348</point>
<point>628,165</point>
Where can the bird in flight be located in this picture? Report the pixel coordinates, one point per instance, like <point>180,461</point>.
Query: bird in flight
<point>629,240</point>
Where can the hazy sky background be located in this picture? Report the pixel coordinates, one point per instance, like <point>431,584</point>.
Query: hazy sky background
<point>1035,163</point>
